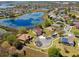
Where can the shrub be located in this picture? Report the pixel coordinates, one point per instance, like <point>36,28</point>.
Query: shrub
<point>19,45</point>
<point>54,52</point>
<point>10,38</point>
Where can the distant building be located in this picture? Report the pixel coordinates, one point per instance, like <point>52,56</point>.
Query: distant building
<point>66,17</point>
<point>54,35</point>
<point>2,15</point>
<point>50,28</point>
<point>76,25</point>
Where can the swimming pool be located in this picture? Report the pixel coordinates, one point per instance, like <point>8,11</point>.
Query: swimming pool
<point>27,20</point>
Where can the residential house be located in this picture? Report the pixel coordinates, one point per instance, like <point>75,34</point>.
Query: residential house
<point>76,24</point>
<point>68,40</point>
<point>57,27</point>
<point>66,17</point>
<point>38,31</point>
<point>54,35</point>
<point>43,41</point>
<point>1,15</point>
<point>50,28</point>
<point>24,37</point>
<point>64,40</point>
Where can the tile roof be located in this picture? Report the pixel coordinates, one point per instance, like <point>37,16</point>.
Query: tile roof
<point>23,37</point>
<point>38,30</point>
<point>76,24</point>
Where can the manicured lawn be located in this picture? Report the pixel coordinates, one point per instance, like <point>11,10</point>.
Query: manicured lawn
<point>66,50</point>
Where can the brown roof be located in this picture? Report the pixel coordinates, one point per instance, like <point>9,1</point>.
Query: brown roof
<point>23,37</point>
<point>76,24</point>
<point>38,30</point>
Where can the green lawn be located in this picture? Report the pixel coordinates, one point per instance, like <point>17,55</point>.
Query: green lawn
<point>75,31</point>
<point>66,50</point>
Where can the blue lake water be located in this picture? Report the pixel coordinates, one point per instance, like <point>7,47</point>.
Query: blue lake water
<point>27,20</point>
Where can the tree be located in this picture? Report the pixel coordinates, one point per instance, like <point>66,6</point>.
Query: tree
<point>12,15</point>
<point>70,15</point>
<point>54,52</point>
<point>22,30</point>
<point>19,45</point>
<point>65,11</point>
<point>42,25</point>
<point>10,38</point>
<point>68,9</point>
<point>48,22</point>
<point>73,16</point>
<point>56,13</point>
<point>75,56</point>
<point>31,32</point>
<point>69,21</point>
<point>75,31</point>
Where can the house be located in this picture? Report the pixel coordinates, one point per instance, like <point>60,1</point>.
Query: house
<point>39,42</point>
<point>66,17</point>
<point>1,15</point>
<point>54,35</point>
<point>59,23</point>
<point>38,31</point>
<point>12,50</point>
<point>56,25</point>
<point>73,19</point>
<point>50,28</point>
<point>53,16</point>
<point>76,24</point>
<point>68,40</point>
<point>24,37</point>
<point>64,40</point>
<point>43,41</point>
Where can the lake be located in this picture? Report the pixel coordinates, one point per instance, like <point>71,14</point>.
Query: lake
<point>26,20</point>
